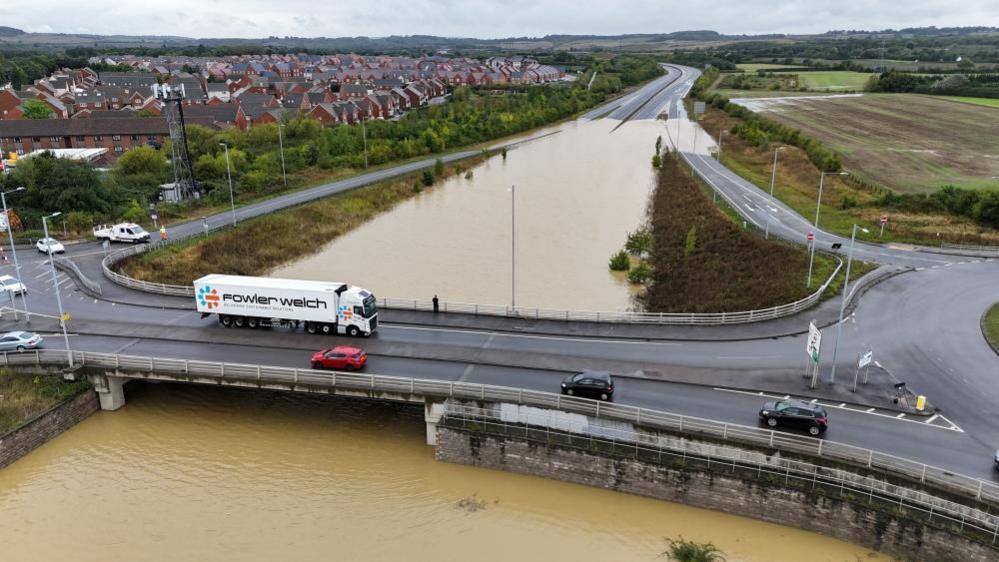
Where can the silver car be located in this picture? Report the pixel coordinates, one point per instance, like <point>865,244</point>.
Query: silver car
<point>19,341</point>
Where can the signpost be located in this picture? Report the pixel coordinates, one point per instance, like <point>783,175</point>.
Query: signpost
<point>812,346</point>
<point>884,221</point>
<point>864,361</point>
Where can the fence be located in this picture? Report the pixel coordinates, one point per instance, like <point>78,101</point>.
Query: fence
<point>614,441</point>
<point>661,318</point>
<point>970,247</point>
<point>69,267</point>
<point>939,478</point>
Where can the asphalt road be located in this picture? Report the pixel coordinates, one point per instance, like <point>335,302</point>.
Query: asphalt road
<point>922,325</point>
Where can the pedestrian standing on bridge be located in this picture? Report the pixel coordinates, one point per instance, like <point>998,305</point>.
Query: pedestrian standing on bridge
<point>437,304</point>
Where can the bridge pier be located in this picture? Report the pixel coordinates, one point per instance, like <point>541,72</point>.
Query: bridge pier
<point>432,414</point>
<point>110,390</point>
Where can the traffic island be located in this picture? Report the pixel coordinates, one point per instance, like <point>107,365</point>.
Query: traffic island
<point>990,327</point>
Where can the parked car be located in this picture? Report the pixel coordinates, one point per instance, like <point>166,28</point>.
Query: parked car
<point>13,285</point>
<point>341,358</point>
<point>797,414</point>
<point>19,341</point>
<point>50,245</point>
<point>996,460</point>
<point>589,384</point>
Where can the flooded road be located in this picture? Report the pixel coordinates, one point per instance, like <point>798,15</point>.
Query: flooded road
<point>199,473</point>
<point>578,193</point>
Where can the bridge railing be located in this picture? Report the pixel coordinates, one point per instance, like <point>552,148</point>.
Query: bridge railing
<point>539,426</point>
<point>185,370</point>
<point>661,318</point>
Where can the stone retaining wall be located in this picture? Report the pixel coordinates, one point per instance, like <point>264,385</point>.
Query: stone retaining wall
<point>878,530</point>
<point>36,431</point>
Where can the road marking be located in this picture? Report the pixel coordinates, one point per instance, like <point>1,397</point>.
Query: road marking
<point>900,416</point>
<point>468,370</point>
<point>933,417</point>
<point>869,410</point>
<point>843,405</point>
<point>595,339</point>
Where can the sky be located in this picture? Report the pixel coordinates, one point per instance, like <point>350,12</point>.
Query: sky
<point>486,18</point>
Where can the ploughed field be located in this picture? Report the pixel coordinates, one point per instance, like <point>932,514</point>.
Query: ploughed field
<point>908,142</point>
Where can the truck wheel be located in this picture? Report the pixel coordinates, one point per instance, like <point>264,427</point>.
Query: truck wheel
<point>353,331</point>
<point>326,329</point>
<point>240,322</point>
<point>226,321</point>
<point>252,323</point>
<point>310,327</point>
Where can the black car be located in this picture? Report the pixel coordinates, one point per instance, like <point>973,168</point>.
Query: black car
<point>590,384</point>
<point>797,414</point>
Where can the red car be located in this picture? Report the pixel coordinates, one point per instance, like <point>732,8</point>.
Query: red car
<point>341,358</point>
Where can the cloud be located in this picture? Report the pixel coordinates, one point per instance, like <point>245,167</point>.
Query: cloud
<point>491,18</point>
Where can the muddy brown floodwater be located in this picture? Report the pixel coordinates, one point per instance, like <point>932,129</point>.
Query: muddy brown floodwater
<point>578,193</point>
<point>198,473</point>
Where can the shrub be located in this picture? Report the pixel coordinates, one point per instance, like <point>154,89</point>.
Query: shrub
<point>439,167</point>
<point>691,242</point>
<point>639,242</point>
<point>641,274</point>
<point>620,261</point>
<point>683,550</point>
<point>656,160</point>
<point>427,178</point>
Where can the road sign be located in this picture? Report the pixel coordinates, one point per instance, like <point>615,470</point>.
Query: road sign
<point>811,236</point>
<point>814,342</point>
<point>884,218</point>
<point>699,107</point>
<point>865,359</point>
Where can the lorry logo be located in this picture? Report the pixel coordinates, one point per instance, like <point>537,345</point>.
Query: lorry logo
<point>264,300</point>
<point>345,312</point>
<point>208,297</point>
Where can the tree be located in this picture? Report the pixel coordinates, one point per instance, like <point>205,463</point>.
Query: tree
<point>639,242</point>
<point>36,109</point>
<point>57,184</point>
<point>142,169</point>
<point>428,177</point>
<point>620,261</point>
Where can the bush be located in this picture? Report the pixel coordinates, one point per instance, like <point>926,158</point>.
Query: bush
<point>683,550</point>
<point>439,167</point>
<point>620,261</point>
<point>427,177</point>
<point>656,160</point>
<point>641,274</point>
<point>639,242</point>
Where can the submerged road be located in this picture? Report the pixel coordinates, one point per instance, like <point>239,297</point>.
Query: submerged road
<point>921,325</point>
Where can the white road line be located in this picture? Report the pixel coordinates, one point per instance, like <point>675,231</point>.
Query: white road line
<point>900,416</point>
<point>933,417</point>
<point>843,405</point>
<point>869,410</point>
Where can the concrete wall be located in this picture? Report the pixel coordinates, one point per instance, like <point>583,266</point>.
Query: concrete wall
<point>879,530</point>
<point>35,432</point>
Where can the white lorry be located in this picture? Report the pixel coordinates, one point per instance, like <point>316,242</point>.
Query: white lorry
<point>122,232</point>
<point>253,302</point>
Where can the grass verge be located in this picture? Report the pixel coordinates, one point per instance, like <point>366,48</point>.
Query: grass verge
<point>704,260</point>
<point>990,326</point>
<point>263,243</point>
<point>23,396</point>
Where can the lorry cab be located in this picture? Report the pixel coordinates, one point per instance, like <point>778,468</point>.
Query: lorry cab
<point>357,312</point>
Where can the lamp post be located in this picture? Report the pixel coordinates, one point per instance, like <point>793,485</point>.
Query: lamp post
<point>55,286</point>
<point>842,305</point>
<point>513,246</point>
<point>13,252</point>
<point>721,134</point>
<point>364,137</point>
<point>773,176</point>
<point>232,196</point>
<point>281,145</point>
<point>818,205</point>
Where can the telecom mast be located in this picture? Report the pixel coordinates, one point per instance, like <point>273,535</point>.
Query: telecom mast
<point>183,185</point>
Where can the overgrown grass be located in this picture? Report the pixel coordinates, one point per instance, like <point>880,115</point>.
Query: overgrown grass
<point>988,102</point>
<point>833,80</point>
<point>23,396</point>
<point>728,268</point>
<point>844,201</point>
<point>991,326</point>
<point>263,243</point>
<point>682,550</point>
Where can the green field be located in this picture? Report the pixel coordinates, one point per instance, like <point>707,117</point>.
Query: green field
<point>991,326</point>
<point>753,67</point>
<point>833,81</point>
<point>988,102</point>
<point>888,138</point>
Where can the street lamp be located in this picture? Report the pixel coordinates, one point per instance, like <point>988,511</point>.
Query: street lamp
<point>281,145</point>
<point>513,247</point>
<point>55,285</point>
<point>232,196</point>
<point>721,134</point>
<point>842,305</point>
<point>818,205</point>
<point>13,251</point>
<point>773,177</point>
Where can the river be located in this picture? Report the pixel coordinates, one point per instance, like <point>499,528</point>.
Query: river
<point>200,473</point>
<point>578,192</point>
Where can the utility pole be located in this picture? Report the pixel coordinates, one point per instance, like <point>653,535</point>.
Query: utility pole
<point>842,305</point>
<point>232,196</point>
<point>55,286</point>
<point>773,176</point>
<point>364,136</point>
<point>513,246</point>
<point>13,251</point>
<point>818,206</point>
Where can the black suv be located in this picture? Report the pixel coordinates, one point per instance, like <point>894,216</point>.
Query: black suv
<point>591,384</point>
<point>795,413</point>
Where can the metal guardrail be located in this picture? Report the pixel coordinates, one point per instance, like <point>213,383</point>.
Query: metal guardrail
<point>939,478</point>
<point>538,426</point>
<point>662,318</point>
<point>970,247</point>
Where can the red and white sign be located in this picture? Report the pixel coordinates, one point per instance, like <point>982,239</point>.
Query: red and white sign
<point>811,236</point>
<point>884,219</point>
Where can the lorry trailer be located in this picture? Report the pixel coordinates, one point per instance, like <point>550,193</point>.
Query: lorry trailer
<point>252,302</point>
